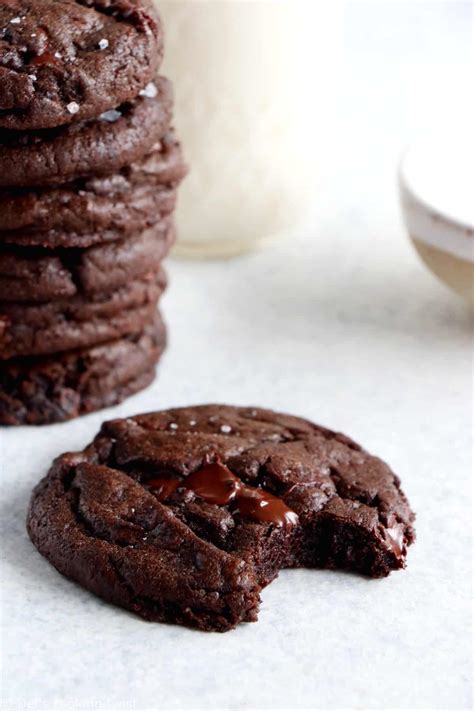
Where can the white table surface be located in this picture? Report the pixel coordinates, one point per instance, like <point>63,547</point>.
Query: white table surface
<point>339,323</point>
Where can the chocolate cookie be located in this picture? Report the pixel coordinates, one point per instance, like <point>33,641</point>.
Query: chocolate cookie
<point>36,274</point>
<point>68,60</point>
<point>98,147</point>
<point>53,389</point>
<point>80,321</point>
<point>96,210</point>
<point>183,515</point>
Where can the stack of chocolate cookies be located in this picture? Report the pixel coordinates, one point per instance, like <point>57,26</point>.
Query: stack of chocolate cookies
<point>89,168</point>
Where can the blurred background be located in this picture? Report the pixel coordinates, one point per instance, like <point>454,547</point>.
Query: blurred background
<point>317,183</point>
<point>284,107</point>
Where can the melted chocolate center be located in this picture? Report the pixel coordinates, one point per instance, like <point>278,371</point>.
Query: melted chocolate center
<point>162,488</point>
<point>259,505</point>
<point>44,58</point>
<point>394,538</point>
<point>216,484</point>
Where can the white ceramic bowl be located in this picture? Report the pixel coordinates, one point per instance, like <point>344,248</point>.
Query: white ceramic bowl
<point>436,183</point>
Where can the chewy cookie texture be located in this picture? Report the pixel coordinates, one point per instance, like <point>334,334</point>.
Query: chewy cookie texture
<point>89,170</point>
<point>47,389</point>
<point>185,515</point>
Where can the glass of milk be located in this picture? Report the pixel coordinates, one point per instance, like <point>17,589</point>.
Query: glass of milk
<point>252,91</point>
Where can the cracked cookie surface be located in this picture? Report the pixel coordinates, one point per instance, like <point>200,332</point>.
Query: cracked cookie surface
<point>28,329</point>
<point>69,60</point>
<point>96,209</point>
<point>95,147</point>
<point>184,515</point>
<point>37,274</point>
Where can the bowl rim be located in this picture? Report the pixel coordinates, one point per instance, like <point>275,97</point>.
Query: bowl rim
<point>407,189</point>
